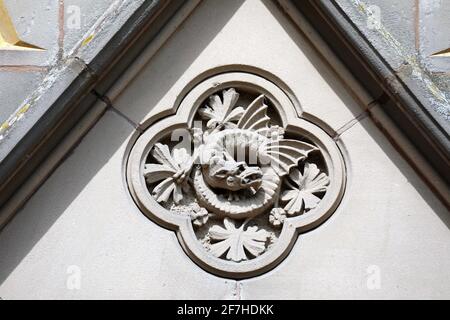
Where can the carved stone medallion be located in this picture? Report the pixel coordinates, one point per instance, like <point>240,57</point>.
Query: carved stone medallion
<point>238,171</point>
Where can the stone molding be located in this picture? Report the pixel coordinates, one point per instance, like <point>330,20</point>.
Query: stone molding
<point>237,173</point>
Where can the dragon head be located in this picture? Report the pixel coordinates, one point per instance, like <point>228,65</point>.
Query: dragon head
<point>233,175</point>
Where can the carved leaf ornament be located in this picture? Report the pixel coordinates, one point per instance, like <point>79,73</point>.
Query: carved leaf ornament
<point>301,195</point>
<point>243,184</point>
<point>171,169</point>
<point>236,241</point>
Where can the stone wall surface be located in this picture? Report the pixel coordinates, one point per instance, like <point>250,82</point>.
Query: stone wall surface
<point>82,236</point>
<point>50,34</point>
<point>411,37</point>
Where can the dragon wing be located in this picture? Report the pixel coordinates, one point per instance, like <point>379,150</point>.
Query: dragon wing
<point>283,154</point>
<point>255,116</point>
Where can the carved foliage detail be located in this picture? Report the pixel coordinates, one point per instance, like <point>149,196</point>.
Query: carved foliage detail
<point>236,242</point>
<point>302,191</point>
<point>244,178</point>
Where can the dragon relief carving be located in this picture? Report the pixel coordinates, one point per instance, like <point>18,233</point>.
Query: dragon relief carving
<point>242,181</point>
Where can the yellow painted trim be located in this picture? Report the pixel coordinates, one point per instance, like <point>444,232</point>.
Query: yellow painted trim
<point>8,35</point>
<point>87,40</point>
<point>443,53</point>
<point>4,126</point>
<point>24,109</point>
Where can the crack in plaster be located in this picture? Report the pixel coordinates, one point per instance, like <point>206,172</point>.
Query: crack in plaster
<point>366,113</point>
<point>109,106</point>
<point>236,291</point>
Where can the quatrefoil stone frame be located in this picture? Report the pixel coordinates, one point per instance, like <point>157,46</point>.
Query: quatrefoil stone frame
<point>294,121</point>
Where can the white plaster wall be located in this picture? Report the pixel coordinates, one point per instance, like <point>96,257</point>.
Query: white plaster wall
<point>389,223</point>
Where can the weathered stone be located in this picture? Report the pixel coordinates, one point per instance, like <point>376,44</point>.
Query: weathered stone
<point>238,165</point>
<point>83,236</point>
<point>207,42</point>
<point>36,25</point>
<point>93,41</point>
<point>15,87</point>
<point>87,222</point>
<point>434,39</point>
<point>379,244</point>
<point>86,13</point>
<point>389,26</point>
